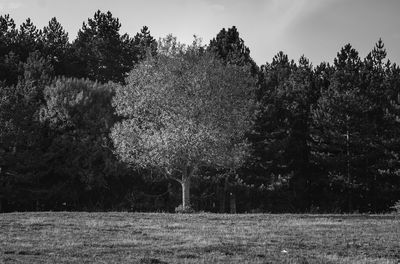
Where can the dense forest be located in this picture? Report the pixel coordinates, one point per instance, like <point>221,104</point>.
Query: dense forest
<point>321,139</point>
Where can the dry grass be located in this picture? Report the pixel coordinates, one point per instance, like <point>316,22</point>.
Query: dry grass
<point>198,238</point>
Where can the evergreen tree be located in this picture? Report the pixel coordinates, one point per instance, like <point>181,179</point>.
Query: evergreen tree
<point>101,53</point>
<point>22,137</point>
<point>8,35</point>
<point>231,48</point>
<point>380,164</point>
<point>56,46</point>
<point>347,122</point>
<point>28,40</point>
<point>9,62</point>
<point>79,156</point>
<point>144,44</point>
<point>10,69</point>
<point>391,169</point>
<point>282,129</point>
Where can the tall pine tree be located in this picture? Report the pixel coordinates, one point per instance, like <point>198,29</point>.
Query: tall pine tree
<point>101,53</point>
<point>56,46</point>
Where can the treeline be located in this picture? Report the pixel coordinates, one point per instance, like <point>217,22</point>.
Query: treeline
<point>326,138</point>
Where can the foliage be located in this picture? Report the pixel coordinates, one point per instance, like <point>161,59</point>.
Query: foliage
<point>79,114</point>
<point>102,54</point>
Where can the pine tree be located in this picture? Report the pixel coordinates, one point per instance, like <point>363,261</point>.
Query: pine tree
<point>282,129</point>
<point>101,53</point>
<point>22,137</point>
<point>56,46</point>
<point>345,126</point>
<point>28,40</point>
<point>231,48</point>
<point>381,163</point>
<point>8,35</point>
<point>9,61</point>
<point>79,155</point>
<point>144,44</point>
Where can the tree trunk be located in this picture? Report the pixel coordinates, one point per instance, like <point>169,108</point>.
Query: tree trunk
<point>221,199</point>
<point>222,208</point>
<point>232,202</point>
<point>349,178</point>
<point>185,192</point>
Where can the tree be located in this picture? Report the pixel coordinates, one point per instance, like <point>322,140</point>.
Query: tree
<point>231,48</point>
<point>28,40</point>
<point>56,46</point>
<point>9,62</point>
<point>101,53</point>
<point>184,109</point>
<point>79,115</point>
<point>391,169</point>
<point>10,69</point>
<point>8,34</point>
<point>22,137</point>
<point>144,43</point>
<point>280,156</point>
<point>381,166</point>
<point>347,124</point>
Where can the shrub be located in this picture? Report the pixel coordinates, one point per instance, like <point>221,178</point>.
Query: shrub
<point>181,210</point>
<point>396,207</point>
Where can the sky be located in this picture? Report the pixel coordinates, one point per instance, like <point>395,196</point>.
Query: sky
<point>314,28</point>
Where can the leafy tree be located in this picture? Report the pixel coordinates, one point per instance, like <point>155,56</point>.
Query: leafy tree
<point>182,110</point>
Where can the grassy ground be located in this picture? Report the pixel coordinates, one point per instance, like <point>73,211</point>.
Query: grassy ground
<point>199,238</point>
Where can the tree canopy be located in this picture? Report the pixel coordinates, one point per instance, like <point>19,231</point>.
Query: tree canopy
<point>184,109</point>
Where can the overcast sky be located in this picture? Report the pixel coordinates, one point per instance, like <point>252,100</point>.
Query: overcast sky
<point>315,28</point>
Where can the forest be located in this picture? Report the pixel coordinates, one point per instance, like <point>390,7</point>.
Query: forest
<point>283,137</point>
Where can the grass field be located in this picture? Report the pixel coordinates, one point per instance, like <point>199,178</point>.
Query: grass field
<point>63,237</point>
